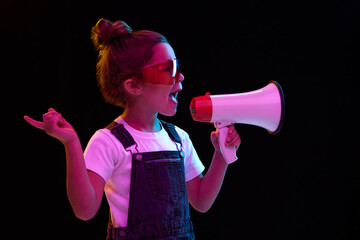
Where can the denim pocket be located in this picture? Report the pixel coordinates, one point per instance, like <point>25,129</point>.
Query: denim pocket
<point>166,179</point>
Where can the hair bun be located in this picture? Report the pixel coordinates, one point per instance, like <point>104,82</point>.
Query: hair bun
<point>105,31</point>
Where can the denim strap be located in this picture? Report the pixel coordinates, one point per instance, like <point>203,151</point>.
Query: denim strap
<point>170,129</point>
<point>121,134</point>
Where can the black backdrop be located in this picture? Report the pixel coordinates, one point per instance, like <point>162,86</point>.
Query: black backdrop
<point>300,184</point>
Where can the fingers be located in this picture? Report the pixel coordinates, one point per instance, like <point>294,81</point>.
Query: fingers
<point>52,120</point>
<point>233,138</point>
<point>51,113</point>
<point>41,125</point>
<point>34,123</point>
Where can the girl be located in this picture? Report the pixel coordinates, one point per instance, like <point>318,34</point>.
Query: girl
<point>148,169</point>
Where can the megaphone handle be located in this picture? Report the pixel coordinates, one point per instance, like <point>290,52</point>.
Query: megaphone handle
<point>229,153</point>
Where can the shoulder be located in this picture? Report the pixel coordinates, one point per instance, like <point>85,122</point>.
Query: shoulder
<point>103,136</point>
<point>185,138</point>
<point>182,133</point>
<point>104,143</point>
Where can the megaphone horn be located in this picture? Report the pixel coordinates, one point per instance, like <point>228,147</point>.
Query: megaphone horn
<point>264,107</point>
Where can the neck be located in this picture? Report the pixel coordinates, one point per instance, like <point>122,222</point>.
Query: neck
<point>141,120</point>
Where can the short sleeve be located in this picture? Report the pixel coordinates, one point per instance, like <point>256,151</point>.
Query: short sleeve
<point>192,162</point>
<point>100,155</point>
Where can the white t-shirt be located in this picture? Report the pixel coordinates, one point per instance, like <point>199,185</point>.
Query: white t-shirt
<point>106,156</point>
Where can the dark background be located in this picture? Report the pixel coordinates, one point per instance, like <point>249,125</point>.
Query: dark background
<point>303,183</point>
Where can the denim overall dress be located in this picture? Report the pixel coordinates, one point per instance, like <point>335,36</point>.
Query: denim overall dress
<point>158,206</point>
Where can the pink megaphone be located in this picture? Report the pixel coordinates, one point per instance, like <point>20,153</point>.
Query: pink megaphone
<point>264,107</point>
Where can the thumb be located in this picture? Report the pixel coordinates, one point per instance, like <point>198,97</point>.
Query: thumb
<point>215,134</point>
<point>214,137</point>
<point>34,123</point>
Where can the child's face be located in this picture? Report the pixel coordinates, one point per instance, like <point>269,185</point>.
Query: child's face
<point>157,97</point>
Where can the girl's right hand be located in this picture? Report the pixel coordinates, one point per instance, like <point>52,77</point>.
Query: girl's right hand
<point>55,126</point>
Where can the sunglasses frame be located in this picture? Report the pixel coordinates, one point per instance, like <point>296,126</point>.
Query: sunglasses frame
<point>155,75</point>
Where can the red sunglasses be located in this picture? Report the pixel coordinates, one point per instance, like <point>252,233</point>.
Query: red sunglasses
<point>155,74</point>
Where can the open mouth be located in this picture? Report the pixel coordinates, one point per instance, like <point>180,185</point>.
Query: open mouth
<point>173,96</point>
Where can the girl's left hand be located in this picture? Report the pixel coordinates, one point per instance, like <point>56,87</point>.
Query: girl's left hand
<point>232,140</point>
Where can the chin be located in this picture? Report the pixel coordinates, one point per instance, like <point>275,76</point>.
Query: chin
<point>169,113</point>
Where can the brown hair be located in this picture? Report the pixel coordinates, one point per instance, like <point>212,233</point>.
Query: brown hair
<point>122,53</point>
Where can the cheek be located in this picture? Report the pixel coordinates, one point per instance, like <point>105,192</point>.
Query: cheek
<point>157,93</point>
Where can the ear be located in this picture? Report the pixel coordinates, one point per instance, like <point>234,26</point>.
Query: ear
<point>132,87</point>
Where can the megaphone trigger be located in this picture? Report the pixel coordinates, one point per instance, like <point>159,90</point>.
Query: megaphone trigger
<point>219,125</point>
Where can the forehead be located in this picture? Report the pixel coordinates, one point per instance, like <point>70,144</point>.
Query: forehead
<point>162,52</point>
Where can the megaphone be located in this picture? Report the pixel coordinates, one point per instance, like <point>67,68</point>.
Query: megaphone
<point>264,107</point>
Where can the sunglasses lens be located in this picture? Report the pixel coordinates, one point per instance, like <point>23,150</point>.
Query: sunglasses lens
<point>178,65</point>
<point>177,70</point>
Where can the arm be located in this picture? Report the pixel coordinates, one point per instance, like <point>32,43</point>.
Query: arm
<point>202,191</point>
<point>84,188</point>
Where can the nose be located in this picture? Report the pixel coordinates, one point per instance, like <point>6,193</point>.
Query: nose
<point>178,83</point>
<point>181,77</point>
